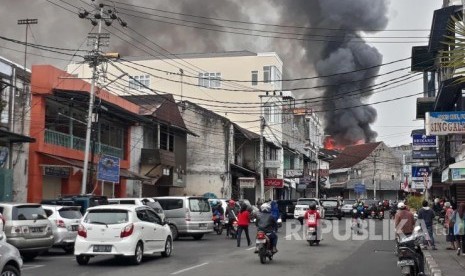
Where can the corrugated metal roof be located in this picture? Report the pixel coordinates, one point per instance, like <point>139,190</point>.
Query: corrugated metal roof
<point>353,155</point>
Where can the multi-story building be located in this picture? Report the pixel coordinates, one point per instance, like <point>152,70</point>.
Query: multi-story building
<point>14,130</point>
<point>58,119</point>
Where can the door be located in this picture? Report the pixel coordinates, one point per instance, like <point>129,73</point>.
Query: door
<point>159,231</point>
<point>147,229</point>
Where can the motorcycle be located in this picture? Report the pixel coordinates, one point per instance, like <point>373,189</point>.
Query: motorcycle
<point>264,247</point>
<point>410,256</point>
<point>357,221</point>
<point>218,225</point>
<point>312,231</point>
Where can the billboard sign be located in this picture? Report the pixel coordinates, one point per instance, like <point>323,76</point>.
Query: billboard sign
<point>424,140</point>
<point>246,182</point>
<point>444,123</point>
<point>274,182</point>
<point>458,174</point>
<point>424,154</point>
<point>419,172</point>
<point>108,169</point>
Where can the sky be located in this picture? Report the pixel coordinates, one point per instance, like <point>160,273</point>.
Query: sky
<point>60,28</point>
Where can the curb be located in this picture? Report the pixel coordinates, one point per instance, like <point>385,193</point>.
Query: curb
<point>431,267</point>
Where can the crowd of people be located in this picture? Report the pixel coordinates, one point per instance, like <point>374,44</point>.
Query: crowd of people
<point>454,222</point>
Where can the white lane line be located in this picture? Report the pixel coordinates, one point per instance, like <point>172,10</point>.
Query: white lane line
<point>189,268</point>
<point>31,266</point>
<point>252,248</point>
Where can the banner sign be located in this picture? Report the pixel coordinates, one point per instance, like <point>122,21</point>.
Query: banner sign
<point>359,188</point>
<point>424,140</point>
<point>108,169</point>
<point>293,173</point>
<point>246,182</point>
<point>424,154</point>
<point>418,173</point>
<point>444,123</point>
<point>274,182</point>
<point>57,171</point>
<point>458,174</point>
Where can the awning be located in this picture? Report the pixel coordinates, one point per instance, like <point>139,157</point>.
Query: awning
<point>8,137</point>
<point>458,165</point>
<point>124,173</point>
<point>441,18</point>
<point>242,170</point>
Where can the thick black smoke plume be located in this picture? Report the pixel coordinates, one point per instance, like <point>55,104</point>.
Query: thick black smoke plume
<point>302,58</point>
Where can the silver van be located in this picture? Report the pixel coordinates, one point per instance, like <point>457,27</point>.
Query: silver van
<point>27,228</point>
<point>187,215</point>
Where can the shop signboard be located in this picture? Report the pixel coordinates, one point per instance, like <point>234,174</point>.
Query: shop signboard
<point>445,123</point>
<point>424,141</point>
<point>274,182</point>
<point>247,182</point>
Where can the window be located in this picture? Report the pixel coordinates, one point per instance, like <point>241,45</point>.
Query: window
<point>210,80</point>
<point>170,204</point>
<point>70,213</point>
<point>254,77</point>
<point>166,141</point>
<point>108,216</point>
<point>139,82</point>
<point>199,205</point>
<point>267,111</point>
<point>28,212</point>
<point>153,217</point>
<point>266,74</point>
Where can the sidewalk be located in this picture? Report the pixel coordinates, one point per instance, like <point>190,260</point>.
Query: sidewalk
<point>443,262</point>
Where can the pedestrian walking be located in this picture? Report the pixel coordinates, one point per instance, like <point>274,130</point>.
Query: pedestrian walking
<point>243,220</point>
<point>449,225</point>
<point>459,228</point>
<point>426,215</point>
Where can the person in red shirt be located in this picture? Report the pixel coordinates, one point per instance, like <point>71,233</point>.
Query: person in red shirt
<point>312,216</point>
<point>243,220</point>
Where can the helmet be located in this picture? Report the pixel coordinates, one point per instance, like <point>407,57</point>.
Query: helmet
<point>232,203</point>
<point>401,205</point>
<point>266,208</point>
<point>214,202</point>
<point>312,206</point>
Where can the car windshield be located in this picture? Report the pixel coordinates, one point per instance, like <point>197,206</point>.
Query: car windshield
<point>29,212</point>
<point>329,203</point>
<point>306,201</point>
<point>199,205</point>
<point>106,216</point>
<point>70,213</point>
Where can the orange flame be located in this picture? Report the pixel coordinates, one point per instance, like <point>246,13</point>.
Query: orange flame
<point>330,143</point>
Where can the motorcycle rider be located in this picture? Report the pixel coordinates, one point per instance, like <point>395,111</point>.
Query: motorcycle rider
<point>231,215</point>
<point>313,218</point>
<point>267,223</point>
<point>217,210</point>
<point>404,221</point>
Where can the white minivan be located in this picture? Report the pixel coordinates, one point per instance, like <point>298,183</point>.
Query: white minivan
<point>187,215</point>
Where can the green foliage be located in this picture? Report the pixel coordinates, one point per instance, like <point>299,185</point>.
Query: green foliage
<point>414,202</point>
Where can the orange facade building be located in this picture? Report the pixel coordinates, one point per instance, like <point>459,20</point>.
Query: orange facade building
<point>58,123</point>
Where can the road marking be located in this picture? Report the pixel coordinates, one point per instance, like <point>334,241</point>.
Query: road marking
<point>187,269</point>
<point>251,248</point>
<point>31,266</point>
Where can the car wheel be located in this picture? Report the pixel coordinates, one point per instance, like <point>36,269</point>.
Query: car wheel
<point>30,256</point>
<point>138,254</point>
<point>168,248</point>
<point>197,237</point>
<point>82,260</point>
<point>174,232</point>
<point>10,270</point>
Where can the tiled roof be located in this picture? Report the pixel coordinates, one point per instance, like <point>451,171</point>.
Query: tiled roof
<point>161,107</point>
<point>353,155</point>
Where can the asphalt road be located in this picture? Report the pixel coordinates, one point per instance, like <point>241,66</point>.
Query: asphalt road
<point>216,255</point>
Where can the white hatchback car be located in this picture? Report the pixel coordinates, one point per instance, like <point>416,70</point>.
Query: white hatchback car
<point>122,231</point>
<point>2,228</point>
<point>65,222</point>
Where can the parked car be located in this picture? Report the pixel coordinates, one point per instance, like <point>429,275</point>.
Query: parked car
<point>65,222</point>
<point>27,228</point>
<point>347,207</point>
<point>10,261</point>
<point>2,232</point>
<point>122,231</point>
<point>286,208</point>
<point>187,215</point>
<point>302,206</point>
<point>84,201</point>
<point>332,208</point>
<point>145,201</point>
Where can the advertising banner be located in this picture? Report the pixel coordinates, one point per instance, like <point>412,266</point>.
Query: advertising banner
<point>444,123</point>
<point>420,140</point>
<point>246,182</point>
<point>274,182</point>
<point>458,174</point>
<point>424,154</point>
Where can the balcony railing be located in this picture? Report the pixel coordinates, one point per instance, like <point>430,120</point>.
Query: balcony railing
<point>77,143</point>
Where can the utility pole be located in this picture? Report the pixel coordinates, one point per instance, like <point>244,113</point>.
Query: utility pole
<point>95,58</point>
<point>26,22</point>
<point>262,155</point>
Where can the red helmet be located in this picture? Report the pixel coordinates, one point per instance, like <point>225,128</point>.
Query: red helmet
<point>231,203</point>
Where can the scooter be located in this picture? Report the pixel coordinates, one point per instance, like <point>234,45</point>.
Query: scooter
<point>312,231</point>
<point>410,254</point>
<point>264,247</point>
<point>218,224</point>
